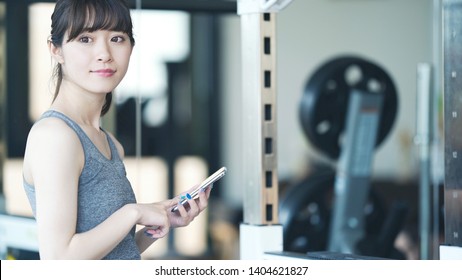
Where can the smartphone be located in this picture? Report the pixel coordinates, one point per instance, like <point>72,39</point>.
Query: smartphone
<point>205,184</point>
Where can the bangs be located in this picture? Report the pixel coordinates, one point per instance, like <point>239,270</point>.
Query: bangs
<point>90,16</point>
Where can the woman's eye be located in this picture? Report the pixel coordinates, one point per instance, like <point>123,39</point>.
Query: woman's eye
<point>84,39</point>
<point>118,39</point>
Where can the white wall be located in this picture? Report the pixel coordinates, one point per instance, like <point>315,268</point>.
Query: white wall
<point>396,34</point>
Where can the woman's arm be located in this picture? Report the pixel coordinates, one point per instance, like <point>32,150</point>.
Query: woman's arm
<point>180,218</point>
<point>53,163</point>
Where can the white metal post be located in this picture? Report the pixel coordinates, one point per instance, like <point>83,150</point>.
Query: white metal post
<point>260,230</point>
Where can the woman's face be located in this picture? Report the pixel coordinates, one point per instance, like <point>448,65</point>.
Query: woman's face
<point>95,61</point>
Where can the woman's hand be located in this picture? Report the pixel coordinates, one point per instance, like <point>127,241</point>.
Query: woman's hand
<point>155,217</point>
<point>184,215</point>
<point>187,212</point>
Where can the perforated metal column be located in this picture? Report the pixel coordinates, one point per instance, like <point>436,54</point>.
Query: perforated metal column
<point>259,125</point>
<point>452,64</point>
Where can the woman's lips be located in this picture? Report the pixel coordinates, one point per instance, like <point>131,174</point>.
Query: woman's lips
<point>104,72</point>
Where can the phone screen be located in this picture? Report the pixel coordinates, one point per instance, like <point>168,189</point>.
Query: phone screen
<point>205,184</point>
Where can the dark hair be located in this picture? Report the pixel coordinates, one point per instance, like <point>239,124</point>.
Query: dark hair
<point>78,16</point>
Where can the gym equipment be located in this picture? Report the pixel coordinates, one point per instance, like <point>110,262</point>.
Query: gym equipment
<point>306,210</point>
<point>323,107</point>
<point>18,233</point>
<point>452,50</point>
<point>348,108</point>
<point>423,141</point>
<point>258,241</point>
<point>260,231</point>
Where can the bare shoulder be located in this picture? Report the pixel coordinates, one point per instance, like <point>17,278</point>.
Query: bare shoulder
<point>119,146</point>
<point>51,131</point>
<point>51,142</point>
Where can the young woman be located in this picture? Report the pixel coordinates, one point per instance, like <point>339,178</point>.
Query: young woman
<point>73,171</point>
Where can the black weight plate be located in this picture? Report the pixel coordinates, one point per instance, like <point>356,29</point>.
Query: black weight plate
<point>305,213</point>
<point>324,103</point>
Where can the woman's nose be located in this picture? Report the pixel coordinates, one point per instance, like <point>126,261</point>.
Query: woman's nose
<point>104,53</point>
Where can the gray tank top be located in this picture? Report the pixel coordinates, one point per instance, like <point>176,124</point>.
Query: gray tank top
<point>103,189</point>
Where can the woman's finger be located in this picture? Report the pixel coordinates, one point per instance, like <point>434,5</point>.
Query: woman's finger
<point>203,199</point>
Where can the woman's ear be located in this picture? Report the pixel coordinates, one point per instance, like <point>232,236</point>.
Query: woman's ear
<point>55,52</point>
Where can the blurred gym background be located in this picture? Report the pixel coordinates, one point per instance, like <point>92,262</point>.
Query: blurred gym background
<point>178,111</point>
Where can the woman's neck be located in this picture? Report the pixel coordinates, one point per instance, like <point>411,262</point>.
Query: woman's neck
<point>83,108</point>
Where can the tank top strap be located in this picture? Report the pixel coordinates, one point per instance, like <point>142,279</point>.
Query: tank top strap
<point>113,147</point>
<point>84,139</point>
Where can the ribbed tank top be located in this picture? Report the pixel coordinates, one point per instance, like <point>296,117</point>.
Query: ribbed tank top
<point>103,189</point>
